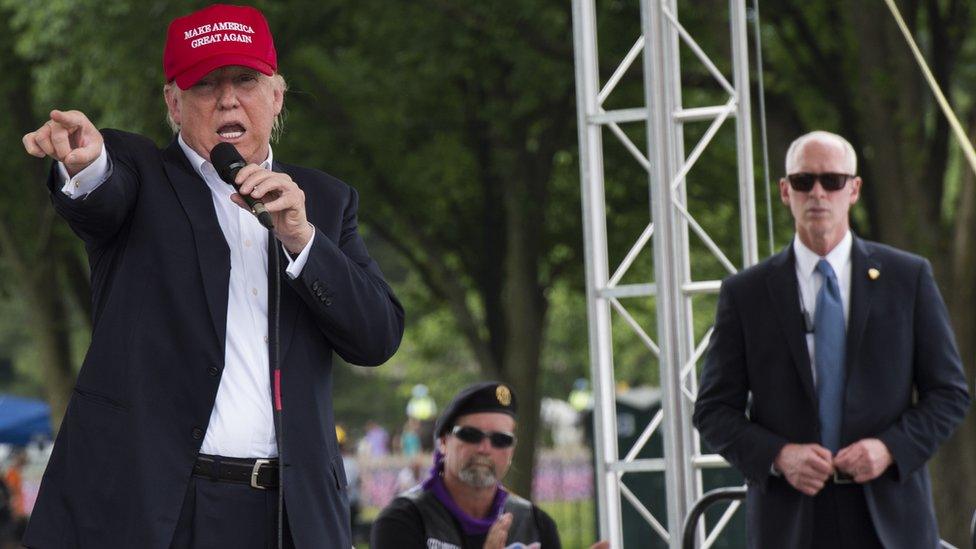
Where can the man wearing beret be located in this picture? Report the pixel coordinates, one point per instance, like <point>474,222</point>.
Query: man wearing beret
<point>202,415</point>
<point>462,503</point>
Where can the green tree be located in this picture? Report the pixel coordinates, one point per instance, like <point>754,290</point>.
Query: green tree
<point>457,123</point>
<point>451,121</point>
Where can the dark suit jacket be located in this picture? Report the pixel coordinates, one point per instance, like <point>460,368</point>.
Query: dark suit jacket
<point>160,268</point>
<point>905,386</point>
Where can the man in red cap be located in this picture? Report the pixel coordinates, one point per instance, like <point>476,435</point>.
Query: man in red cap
<point>202,415</point>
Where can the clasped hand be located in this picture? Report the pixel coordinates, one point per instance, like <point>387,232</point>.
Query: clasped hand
<point>807,467</point>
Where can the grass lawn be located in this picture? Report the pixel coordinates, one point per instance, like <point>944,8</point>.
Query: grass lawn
<point>576,521</point>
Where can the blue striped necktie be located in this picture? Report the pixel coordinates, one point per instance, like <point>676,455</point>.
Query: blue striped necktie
<point>830,337</point>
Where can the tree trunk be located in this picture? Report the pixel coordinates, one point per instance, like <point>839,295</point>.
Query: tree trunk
<point>51,331</point>
<point>954,469</point>
<point>29,246</point>
<point>889,157</point>
<point>524,310</point>
<point>904,162</point>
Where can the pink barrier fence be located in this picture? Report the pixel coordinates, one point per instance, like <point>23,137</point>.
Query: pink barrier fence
<point>560,475</point>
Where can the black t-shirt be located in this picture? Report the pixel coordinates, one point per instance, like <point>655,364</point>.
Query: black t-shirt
<point>400,526</point>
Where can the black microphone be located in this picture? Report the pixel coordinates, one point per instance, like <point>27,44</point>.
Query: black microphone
<point>227,161</point>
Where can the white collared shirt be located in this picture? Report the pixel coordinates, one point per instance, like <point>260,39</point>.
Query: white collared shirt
<point>810,280</point>
<point>242,421</point>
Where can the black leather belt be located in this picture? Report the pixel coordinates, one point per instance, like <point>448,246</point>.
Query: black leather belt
<point>256,473</point>
<point>841,478</point>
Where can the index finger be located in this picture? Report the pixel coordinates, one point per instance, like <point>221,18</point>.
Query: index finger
<point>843,458</point>
<point>849,455</point>
<point>248,171</point>
<point>822,452</point>
<point>819,465</point>
<point>30,145</point>
<point>498,532</point>
<point>821,459</point>
<point>69,119</point>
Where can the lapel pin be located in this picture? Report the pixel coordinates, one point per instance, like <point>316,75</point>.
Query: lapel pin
<point>873,273</point>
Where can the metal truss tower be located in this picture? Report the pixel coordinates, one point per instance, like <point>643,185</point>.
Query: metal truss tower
<point>672,224</point>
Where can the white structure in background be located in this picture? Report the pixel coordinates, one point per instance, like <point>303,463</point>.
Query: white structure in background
<point>562,420</point>
<point>670,226</point>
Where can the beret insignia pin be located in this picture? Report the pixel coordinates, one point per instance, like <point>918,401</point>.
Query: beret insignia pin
<point>503,395</point>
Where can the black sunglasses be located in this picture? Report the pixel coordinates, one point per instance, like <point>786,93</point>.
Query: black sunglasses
<point>803,182</point>
<point>473,435</point>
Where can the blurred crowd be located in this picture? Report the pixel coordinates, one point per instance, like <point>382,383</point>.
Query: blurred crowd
<point>15,500</point>
<point>379,464</point>
<point>382,462</point>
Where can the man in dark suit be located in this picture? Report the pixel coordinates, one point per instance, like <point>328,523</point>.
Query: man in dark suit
<point>202,415</point>
<point>832,374</point>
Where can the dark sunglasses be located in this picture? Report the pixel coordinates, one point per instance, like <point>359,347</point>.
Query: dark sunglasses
<point>803,182</point>
<point>473,435</point>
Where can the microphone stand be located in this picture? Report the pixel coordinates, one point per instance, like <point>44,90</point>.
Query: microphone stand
<point>274,351</point>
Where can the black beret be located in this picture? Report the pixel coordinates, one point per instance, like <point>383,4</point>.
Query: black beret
<point>487,396</point>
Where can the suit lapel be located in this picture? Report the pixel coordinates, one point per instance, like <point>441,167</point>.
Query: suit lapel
<point>212,251</point>
<point>862,294</point>
<point>785,296</point>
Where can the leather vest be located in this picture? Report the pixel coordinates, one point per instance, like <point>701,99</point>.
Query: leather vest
<point>443,533</point>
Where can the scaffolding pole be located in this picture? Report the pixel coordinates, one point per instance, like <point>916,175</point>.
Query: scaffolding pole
<point>672,224</point>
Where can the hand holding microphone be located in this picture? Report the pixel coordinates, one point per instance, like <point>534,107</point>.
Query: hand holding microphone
<point>228,162</point>
<point>273,197</point>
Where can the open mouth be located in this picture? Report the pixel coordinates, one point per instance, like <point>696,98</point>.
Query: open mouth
<point>231,131</point>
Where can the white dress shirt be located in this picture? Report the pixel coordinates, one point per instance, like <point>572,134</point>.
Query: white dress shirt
<point>242,421</point>
<point>810,280</point>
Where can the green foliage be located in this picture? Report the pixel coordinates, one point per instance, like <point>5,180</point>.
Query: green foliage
<point>456,122</point>
<point>432,111</point>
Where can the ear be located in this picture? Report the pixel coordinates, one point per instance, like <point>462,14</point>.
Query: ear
<point>784,191</point>
<point>172,97</point>
<point>442,445</point>
<point>279,99</point>
<point>855,190</point>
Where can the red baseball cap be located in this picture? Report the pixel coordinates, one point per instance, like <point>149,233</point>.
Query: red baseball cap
<point>215,37</point>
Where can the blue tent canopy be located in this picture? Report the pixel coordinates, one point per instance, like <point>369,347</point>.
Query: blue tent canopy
<point>23,419</point>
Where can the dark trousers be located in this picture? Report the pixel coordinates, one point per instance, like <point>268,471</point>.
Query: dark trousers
<point>841,519</point>
<point>221,515</point>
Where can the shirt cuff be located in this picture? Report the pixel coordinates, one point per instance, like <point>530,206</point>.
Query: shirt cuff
<point>88,179</point>
<point>296,264</point>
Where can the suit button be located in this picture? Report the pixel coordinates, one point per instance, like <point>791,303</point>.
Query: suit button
<point>317,286</point>
<point>213,371</point>
<point>328,301</point>
<point>197,433</point>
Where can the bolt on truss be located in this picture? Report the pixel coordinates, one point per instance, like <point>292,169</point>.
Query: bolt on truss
<point>672,224</point>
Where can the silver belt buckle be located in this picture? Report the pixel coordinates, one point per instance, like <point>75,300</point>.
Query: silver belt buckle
<point>254,473</point>
<point>842,478</point>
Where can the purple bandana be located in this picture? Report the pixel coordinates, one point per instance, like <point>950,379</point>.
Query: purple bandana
<point>471,526</point>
